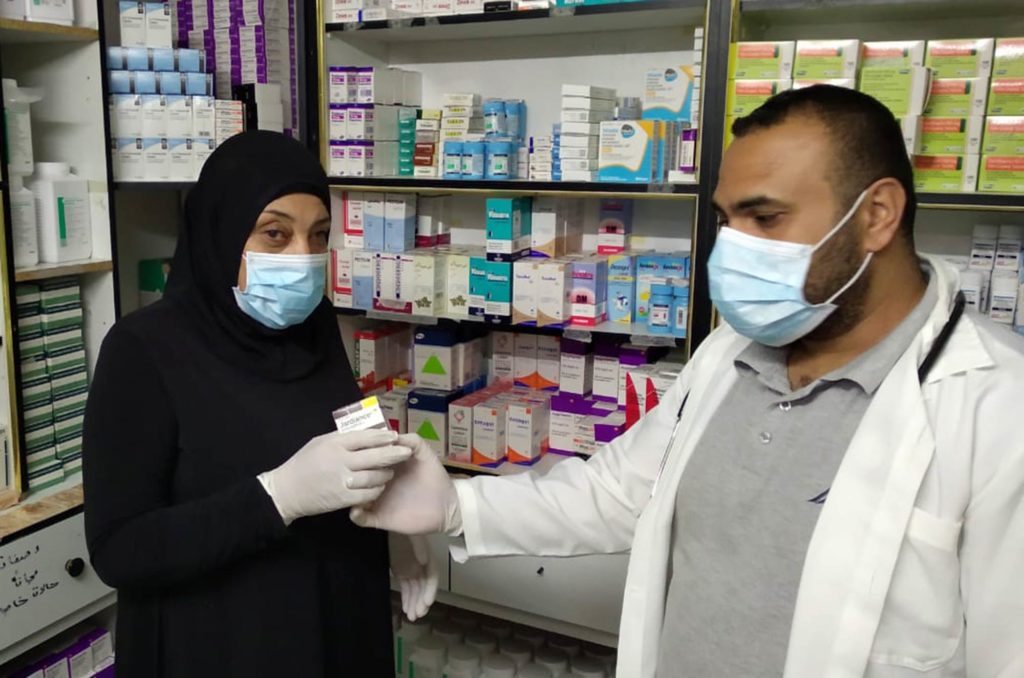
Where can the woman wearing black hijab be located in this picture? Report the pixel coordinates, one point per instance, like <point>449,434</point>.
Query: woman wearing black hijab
<point>216,494</point>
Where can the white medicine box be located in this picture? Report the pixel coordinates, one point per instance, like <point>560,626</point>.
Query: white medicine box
<point>51,11</point>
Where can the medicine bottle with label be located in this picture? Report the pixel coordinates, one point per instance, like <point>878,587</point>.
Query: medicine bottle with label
<point>18,126</point>
<point>473,159</point>
<point>62,213</point>
<point>659,319</point>
<point>494,118</point>
<point>453,159</point>
<point>23,223</point>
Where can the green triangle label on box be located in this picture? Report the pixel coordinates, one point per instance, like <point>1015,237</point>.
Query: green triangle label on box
<point>434,366</point>
<point>427,431</point>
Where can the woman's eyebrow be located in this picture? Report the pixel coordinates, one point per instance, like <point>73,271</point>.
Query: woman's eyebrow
<point>277,213</point>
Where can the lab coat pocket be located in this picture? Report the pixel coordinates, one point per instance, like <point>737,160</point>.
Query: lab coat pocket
<point>923,617</point>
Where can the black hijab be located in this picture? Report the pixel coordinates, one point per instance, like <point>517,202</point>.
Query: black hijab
<point>238,181</point>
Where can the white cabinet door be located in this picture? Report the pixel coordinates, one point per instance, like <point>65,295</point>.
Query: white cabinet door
<point>44,577</point>
<point>586,591</point>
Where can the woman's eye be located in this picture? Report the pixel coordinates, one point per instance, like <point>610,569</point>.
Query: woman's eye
<point>323,235</point>
<point>273,234</point>
<point>765,219</point>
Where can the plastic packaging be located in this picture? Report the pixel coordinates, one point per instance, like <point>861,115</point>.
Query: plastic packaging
<point>498,666</point>
<point>499,160</point>
<point>453,159</point>
<point>62,213</point>
<point>515,118</point>
<point>474,154</point>
<point>463,662</point>
<point>517,650</point>
<point>429,658</point>
<point>18,126</point>
<point>659,319</point>
<point>405,643</point>
<point>494,118</point>
<point>680,306</point>
<point>23,223</point>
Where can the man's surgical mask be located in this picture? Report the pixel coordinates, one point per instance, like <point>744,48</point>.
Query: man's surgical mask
<point>758,284</point>
<point>282,290</point>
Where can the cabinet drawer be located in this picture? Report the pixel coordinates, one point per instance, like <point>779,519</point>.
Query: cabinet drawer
<point>586,590</point>
<point>37,586</point>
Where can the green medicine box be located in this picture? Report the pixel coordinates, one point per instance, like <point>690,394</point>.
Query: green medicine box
<point>951,136</point>
<point>1009,58</point>
<point>945,173</point>
<point>1006,97</point>
<point>745,96</point>
<point>761,60</point>
<point>1001,174</point>
<point>902,90</point>
<point>1004,136</point>
<point>957,97</point>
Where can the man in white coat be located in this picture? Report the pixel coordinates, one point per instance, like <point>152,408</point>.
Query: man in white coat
<point>834,486</point>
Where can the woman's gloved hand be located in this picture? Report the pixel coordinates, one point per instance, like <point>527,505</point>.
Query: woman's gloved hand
<point>420,500</point>
<point>333,472</point>
<point>412,564</point>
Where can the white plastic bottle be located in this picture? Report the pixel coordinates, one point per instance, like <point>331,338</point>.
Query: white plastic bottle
<point>567,645</point>
<point>498,666</point>
<point>482,642</point>
<point>497,628</point>
<point>588,667</point>
<point>535,637</point>
<point>605,655</point>
<point>449,632</point>
<point>429,658</point>
<point>62,213</point>
<point>409,633</point>
<point>554,660</point>
<point>534,671</point>
<point>517,650</point>
<point>463,662</point>
<point>23,223</point>
<point>18,126</point>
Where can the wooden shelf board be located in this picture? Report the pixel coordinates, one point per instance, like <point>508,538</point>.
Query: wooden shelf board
<point>46,271</point>
<point>15,31</point>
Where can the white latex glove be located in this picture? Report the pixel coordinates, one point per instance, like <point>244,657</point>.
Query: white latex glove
<point>334,471</point>
<point>421,499</point>
<point>413,566</point>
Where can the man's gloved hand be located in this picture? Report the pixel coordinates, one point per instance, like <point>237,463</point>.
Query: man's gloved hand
<point>334,471</point>
<point>413,566</point>
<point>420,499</point>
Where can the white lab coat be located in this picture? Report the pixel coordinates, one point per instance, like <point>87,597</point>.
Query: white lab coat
<point>916,565</point>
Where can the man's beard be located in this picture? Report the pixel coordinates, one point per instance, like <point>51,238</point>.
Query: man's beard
<point>833,266</point>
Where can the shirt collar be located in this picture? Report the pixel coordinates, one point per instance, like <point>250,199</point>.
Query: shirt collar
<point>868,370</point>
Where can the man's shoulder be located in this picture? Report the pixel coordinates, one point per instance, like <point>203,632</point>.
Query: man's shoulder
<point>1006,349</point>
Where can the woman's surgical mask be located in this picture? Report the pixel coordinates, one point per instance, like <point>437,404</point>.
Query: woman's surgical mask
<point>282,290</point>
<point>758,284</point>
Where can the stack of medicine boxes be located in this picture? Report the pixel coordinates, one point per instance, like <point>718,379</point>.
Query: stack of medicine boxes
<point>368,108</point>
<point>893,72</point>
<point>162,113</point>
<point>54,378</point>
<point>446,365</point>
<point>757,72</point>
<point>246,42</point>
<point>425,159</point>
<point>583,109</point>
<point>1002,164</point>
<point>508,234</point>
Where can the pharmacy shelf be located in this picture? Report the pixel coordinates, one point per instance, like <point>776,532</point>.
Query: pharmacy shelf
<point>46,271</point>
<point>507,469</point>
<point>874,6</point>
<point>15,32</point>
<point>553,21</point>
<point>38,509</point>
<point>153,185</point>
<point>580,189</point>
<point>638,334</point>
<point>991,202</point>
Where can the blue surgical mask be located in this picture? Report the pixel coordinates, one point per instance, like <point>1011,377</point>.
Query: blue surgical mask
<point>282,290</point>
<point>758,284</point>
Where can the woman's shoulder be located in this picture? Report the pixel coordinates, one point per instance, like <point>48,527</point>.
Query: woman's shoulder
<point>153,326</point>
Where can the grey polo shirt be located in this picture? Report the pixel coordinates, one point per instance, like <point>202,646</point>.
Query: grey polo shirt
<point>748,502</point>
